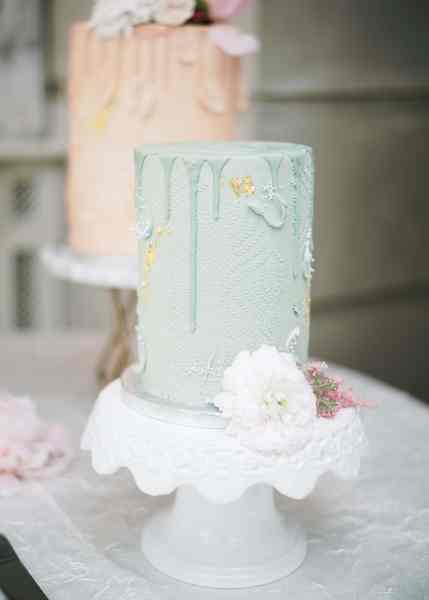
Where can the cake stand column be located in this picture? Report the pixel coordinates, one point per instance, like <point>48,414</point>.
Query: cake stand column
<point>117,354</point>
<point>244,543</point>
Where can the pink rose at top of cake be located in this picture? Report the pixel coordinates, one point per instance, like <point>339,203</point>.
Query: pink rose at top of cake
<point>225,9</point>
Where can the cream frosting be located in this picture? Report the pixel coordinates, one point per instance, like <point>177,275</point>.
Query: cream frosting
<point>128,91</point>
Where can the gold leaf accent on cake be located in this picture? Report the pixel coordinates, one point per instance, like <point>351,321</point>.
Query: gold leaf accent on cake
<point>151,253</point>
<point>235,183</point>
<point>247,186</point>
<point>101,119</point>
<point>150,256</point>
<point>242,186</point>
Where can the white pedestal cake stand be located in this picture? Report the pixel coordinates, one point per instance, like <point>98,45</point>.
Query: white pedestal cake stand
<point>117,274</point>
<point>222,528</point>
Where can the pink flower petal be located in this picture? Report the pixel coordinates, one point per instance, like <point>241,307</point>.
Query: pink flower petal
<point>29,448</point>
<point>225,9</point>
<point>9,485</point>
<point>232,41</point>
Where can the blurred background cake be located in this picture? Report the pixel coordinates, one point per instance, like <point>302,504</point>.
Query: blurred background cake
<point>143,71</point>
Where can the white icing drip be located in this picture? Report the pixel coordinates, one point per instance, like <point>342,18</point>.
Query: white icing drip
<point>147,92</point>
<point>212,96</point>
<point>187,47</point>
<point>130,82</point>
<point>142,68</point>
<point>110,84</point>
<point>102,92</point>
<point>292,340</point>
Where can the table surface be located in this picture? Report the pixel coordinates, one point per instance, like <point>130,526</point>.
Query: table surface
<point>368,539</point>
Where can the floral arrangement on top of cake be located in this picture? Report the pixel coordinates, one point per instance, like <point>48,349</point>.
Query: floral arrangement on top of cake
<point>114,17</point>
<point>276,405</point>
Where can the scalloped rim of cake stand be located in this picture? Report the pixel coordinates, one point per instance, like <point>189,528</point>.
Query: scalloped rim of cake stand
<point>166,448</point>
<point>221,485</point>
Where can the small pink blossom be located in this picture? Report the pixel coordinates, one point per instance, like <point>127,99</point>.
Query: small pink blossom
<point>331,395</point>
<point>232,41</point>
<point>225,9</point>
<point>29,448</point>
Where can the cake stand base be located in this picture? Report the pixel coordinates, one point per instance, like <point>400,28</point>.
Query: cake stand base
<point>221,528</point>
<point>245,543</point>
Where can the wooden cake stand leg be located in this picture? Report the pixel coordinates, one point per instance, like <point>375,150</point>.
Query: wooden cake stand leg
<point>118,354</point>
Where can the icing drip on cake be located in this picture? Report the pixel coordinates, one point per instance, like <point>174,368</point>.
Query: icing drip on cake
<point>126,91</point>
<point>267,202</point>
<point>168,164</point>
<point>307,238</point>
<point>217,166</point>
<point>142,64</point>
<point>194,170</point>
<point>271,206</point>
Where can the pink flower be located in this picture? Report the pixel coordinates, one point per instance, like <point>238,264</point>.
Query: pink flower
<point>331,396</point>
<point>29,448</point>
<point>225,9</point>
<point>232,41</point>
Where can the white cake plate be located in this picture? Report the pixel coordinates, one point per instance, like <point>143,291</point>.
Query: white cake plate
<point>222,528</point>
<point>119,275</point>
<point>118,272</point>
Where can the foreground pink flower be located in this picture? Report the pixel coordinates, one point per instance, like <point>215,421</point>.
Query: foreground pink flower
<point>225,9</point>
<point>29,448</point>
<point>331,395</point>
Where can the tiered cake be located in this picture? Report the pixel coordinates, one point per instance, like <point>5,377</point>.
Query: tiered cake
<point>225,260</point>
<point>223,405</point>
<point>156,84</point>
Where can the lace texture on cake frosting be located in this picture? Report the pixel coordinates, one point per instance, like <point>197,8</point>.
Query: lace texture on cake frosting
<point>212,234</point>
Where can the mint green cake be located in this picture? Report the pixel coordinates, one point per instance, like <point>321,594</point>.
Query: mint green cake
<point>225,254</point>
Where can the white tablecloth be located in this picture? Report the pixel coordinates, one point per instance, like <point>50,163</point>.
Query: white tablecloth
<point>368,540</point>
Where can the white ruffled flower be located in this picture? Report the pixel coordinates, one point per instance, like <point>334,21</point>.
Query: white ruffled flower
<point>268,400</point>
<point>174,12</point>
<point>144,10</point>
<point>113,17</point>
